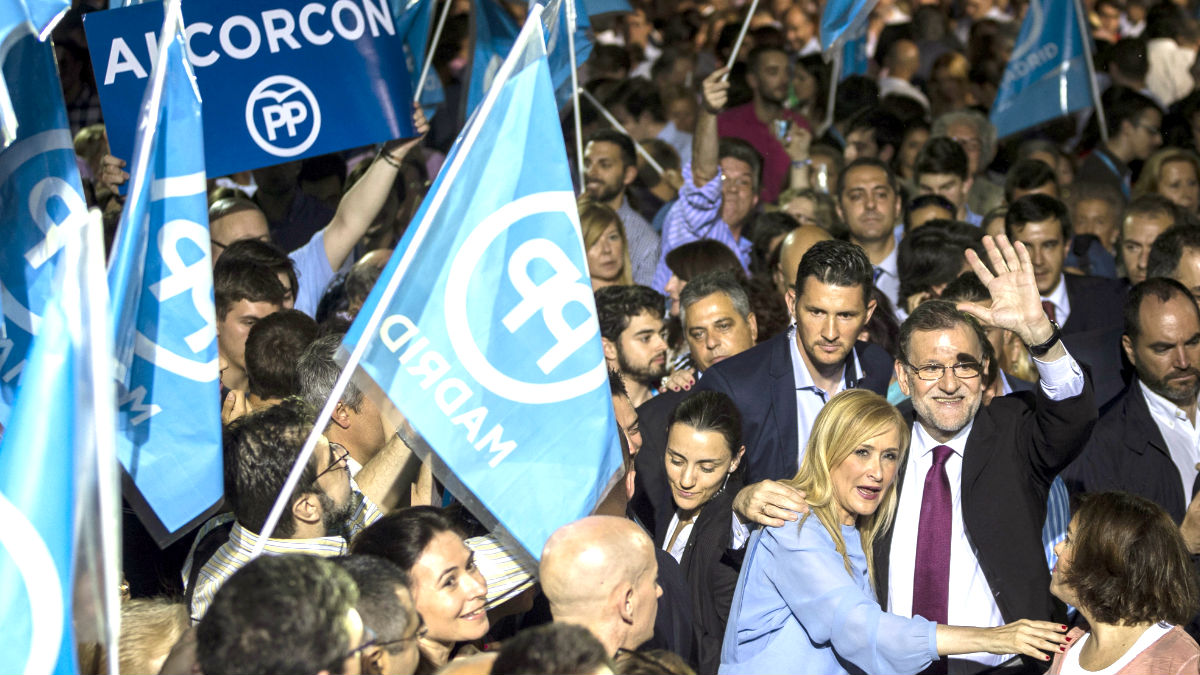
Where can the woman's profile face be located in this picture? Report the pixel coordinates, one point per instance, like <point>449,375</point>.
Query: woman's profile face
<point>861,479</point>
<point>449,591</point>
<point>1064,550</point>
<point>697,464</point>
<point>1178,182</point>
<point>606,256</point>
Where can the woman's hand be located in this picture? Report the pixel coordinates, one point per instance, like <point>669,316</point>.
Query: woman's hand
<point>1039,639</point>
<point>680,380</point>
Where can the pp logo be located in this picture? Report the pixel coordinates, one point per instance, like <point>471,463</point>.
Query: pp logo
<point>278,111</point>
<point>553,295</point>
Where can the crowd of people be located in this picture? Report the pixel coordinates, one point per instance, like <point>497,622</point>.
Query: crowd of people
<point>894,395</point>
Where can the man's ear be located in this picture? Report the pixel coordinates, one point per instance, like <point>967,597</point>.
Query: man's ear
<point>610,349</point>
<point>630,174</point>
<point>901,378</point>
<point>753,321</point>
<point>341,415</point>
<point>307,509</point>
<point>627,602</point>
<point>1127,345</point>
<point>885,153</point>
<point>374,661</point>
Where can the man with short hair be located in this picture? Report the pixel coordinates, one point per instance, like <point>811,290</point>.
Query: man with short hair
<point>781,385</point>
<point>950,555</point>
<point>800,31</point>
<point>273,346</point>
<point>356,423</point>
<point>1098,209</point>
<point>873,133</point>
<point>869,204</point>
<point>619,600</point>
<point>769,74</point>
<point>1134,125</point>
<point>634,337</point>
<point>901,64</point>
<point>290,615</point>
<point>387,610</point>
<point>720,187</point>
<point>793,247</point>
<point>1145,218</point>
<point>941,169</point>
<point>324,511</point>
<point>927,208</point>
<point>977,137</point>
<point>638,106</point>
<point>1077,303</point>
<point>1146,441</point>
<point>717,324</point>
<point>610,165</point>
<point>1175,254</point>
<point>1030,177</point>
<point>243,293</point>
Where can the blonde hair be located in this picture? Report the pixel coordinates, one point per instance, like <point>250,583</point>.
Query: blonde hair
<point>1152,170</point>
<point>849,419</point>
<point>595,218</point>
<point>150,627</point>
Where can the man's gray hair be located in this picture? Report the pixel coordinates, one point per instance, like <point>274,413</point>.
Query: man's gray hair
<point>319,371</point>
<point>708,283</point>
<point>984,128</point>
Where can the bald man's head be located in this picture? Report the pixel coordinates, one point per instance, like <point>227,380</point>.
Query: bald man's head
<point>600,572</point>
<point>791,250</point>
<point>903,60</point>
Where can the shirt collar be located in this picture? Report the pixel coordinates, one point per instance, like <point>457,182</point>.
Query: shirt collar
<point>850,376</point>
<point>1160,407</point>
<point>1058,297</point>
<point>922,443</point>
<point>889,265</point>
<point>327,546</point>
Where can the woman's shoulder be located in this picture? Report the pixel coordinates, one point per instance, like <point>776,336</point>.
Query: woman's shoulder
<point>1174,652</point>
<point>806,532</point>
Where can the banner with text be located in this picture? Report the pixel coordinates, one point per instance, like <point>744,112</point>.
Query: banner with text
<point>280,79</point>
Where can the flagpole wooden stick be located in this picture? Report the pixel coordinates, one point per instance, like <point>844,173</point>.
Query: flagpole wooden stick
<point>835,76</point>
<point>533,22</point>
<point>617,125</point>
<point>437,36</point>
<point>572,19</point>
<point>1087,56</point>
<point>737,46</point>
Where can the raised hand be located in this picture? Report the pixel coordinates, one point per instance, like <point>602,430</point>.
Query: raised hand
<point>715,91</point>
<point>1016,303</point>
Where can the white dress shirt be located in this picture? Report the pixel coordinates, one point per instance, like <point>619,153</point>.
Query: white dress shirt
<point>1058,298</point>
<point>1182,437</point>
<point>677,547</point>
<point>972,602</point>
<point>889,276</point>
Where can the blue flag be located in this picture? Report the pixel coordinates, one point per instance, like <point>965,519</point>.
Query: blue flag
<point>555,21</point>
<point>597,7</point>
<point>486,337</point>
<point>493,34</point>
<point>1048,75</point>
<point>413,19</point>
<point>854,55</point>
<point>41,202</point>
<point>163,320</point>
<point>842,21</point>
<point>56,423</point>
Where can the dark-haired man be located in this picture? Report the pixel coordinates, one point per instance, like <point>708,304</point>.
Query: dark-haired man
<point>781,385</point>
<point>1134,125</point>
<point>941,168</point>
<point>634,337</point>
<point>244,292</point>
<point>610,165</point>
<point>869,204</point>
<point>1146,217</point>
<point>273,346</point>
<point>1077,303</point>
<point>387,610</point>
<point>1175,254</point>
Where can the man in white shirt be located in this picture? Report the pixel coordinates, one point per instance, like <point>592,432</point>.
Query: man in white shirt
<point>966,548</point>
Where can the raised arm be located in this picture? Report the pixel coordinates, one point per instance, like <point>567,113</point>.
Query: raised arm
<point>714,95</point>
<point>361,203</point>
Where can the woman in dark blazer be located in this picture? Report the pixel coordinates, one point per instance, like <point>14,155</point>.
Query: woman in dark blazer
<point>704,451</point>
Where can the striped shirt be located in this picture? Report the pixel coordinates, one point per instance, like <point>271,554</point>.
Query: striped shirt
<point>697,215</point>
<point>643,243</point>
<point>506,573</point>
<point>235,553</point>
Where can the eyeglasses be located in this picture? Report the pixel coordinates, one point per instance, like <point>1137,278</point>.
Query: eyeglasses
<point>336,460</point>
<point>370,640</point>
<point>933,372</point>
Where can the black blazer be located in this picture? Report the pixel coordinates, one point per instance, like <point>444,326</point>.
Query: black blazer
<point>651,497</point>
<point>1127,452</point>
<point>711,572</point>
<point>1016,447</point>
<point>760,382</point>
<point>1096,304</point>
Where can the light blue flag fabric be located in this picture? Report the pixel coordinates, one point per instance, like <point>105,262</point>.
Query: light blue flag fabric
<point>494,33</point>
<point>487,340</point>
<point>41,202</point>
<point>163,319</point>
<point>597,7</point>
<point>54,421</point>
<point>1048,74</point>
<point>554,23</point>
<point>854,55</point>
<point>413,20</point>
<point>842,21</point>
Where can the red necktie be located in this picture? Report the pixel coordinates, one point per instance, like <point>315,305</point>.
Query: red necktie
<point>1048,308</point>
<point>931,576</point>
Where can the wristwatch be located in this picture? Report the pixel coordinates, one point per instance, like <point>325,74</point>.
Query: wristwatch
<point>1039,350</point>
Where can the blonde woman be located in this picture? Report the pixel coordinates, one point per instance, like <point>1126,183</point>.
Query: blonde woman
<point>606,245</point>
<point>805,599</point>
<point>1174,174</point>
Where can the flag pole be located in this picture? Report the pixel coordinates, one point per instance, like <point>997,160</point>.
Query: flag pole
<point>834,77</point>
<point>1087,57</point>
<point>437,36</point>
<point>572,19</point>
<point>617,125</point>
<point>532,23</point>
<point>737,46</point>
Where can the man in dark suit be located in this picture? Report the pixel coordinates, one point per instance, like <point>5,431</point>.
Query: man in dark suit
<point>1145,442</point>
<point>965,544</point>
<point>781,385</point>
<point>717,324</point>
<point>1077,303</point>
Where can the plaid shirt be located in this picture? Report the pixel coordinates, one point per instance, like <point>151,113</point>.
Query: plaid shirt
<point>643,243</point>
<point>697,215</point>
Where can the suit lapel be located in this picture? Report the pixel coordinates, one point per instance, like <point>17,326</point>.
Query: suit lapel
<point>783,398</point>
<point>975,453</point>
